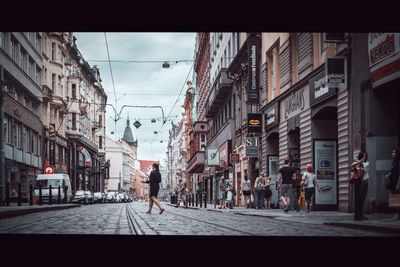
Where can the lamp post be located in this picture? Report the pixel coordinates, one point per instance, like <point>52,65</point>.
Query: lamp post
<point>2,160</point>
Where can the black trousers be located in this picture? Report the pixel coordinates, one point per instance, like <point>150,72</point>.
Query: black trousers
<point>360,190</point>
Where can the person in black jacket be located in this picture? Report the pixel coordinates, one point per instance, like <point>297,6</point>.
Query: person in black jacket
<point>154,180</point>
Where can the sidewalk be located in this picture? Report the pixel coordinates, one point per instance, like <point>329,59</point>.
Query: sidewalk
<point>14,210</point>
<point>377,222</point>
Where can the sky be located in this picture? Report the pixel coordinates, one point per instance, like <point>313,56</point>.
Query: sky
<point>142,84</point>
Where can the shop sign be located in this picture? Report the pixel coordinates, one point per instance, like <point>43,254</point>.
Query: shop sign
<point>235,158</point>
<point>384,57</point>
<point>325,169</point>
<point>295,103</point>
<point>319,89</point>
<point>224,150</point>
<point>253,46</point>
<point>271,116</point>
<point>61,141</point>
<point>336,72</point>
<point>213,157</point>
<point>252,145</point>
<point>254,122</point>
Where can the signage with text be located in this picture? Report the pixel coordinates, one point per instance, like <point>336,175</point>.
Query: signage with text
<point>254,122</point>
<point>336,72</point>
<point>252,145</point>
<point>319,89</point>
<point>224,151</point>
<point>384,57</point>
<point>271,116</point>
<point>235,158</point>
<point>295,103</point>
<point>253,47</point>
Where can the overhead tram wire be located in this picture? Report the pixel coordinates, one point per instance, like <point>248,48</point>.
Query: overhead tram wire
<point>176,101</point>
<point>112,77</point>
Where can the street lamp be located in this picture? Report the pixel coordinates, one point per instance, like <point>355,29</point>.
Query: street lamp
<point>165,65</point>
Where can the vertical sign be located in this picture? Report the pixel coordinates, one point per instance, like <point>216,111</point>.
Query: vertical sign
<point>325,169</point>
<point>253,87</point>
<point>252,145</point>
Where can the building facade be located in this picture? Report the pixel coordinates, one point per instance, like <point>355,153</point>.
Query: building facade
<point>22,64</point>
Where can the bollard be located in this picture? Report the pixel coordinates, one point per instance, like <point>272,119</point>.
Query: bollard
<point>19,193</point>
<point>50,196</point>
<point>40,195</point>
<point>197,199</point>
<point>59,195</point>
<point>201,199</point>
<point>193,196</point>
<point>65,193</point>
<point>190,200</point>
<point>205,200</point>
<point>7,193</point>
<point>30,195</point>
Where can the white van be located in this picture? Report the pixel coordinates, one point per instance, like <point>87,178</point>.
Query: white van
<point>55,180</point>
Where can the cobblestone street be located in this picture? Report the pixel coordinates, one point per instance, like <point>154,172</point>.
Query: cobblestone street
<point>131,218</point>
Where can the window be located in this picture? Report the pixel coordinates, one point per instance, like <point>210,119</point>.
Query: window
<point>73,90</point>
<point>23,59</point>
<point>13,49</point>
<point>16,131</point>
<point>101,142</point>
<point>60,154</point>
<point>73,121</point>
<point>229,53</point>
<point>2,38</point>
<point>230,109</point>
<point>31,69</point>
<point>53,51</point>
<point>56,153</point>
<point>33,141</point>
<point>53,82</point>
<point>6,131</point>
<point>45,45</point>
<point>37,76</point>
<point>226,113</point>
<point>322,44</point>
<point>202,138</point>
<point>101,120</point>
<point>225,60</point>
<point>38,41</point>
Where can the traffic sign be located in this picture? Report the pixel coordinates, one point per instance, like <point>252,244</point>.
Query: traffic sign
<point>48,169</point>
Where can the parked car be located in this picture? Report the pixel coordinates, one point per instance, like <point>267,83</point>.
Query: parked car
<point>110,197</point>
<point>89,197</point>
<point>79,197</point>
<point>98,197</point>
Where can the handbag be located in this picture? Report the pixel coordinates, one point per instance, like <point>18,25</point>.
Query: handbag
<point>394,200</point>
<point>357,175</point>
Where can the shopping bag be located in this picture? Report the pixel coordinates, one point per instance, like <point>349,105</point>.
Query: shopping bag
<point>302,200</point>
<point>394,200</point>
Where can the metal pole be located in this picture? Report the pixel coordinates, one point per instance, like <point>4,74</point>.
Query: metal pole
<point>2,160</point>
<point>40,195</point>
<point>19,194</point>
<point>30,195</point>
<point>59,195</point>
<point>50,196</point>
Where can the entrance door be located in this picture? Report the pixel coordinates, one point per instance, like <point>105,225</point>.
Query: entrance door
<point>273,163</point>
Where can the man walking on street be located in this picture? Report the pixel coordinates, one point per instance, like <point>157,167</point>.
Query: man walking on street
<point>286,175</point>
<point>181,192</point>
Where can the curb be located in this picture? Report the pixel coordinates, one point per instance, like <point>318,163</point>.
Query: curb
<point>257,215</point>
<point>16,212</point>
<point>374,228</point>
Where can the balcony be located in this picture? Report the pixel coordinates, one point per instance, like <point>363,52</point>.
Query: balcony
<point>47,93</point>
<point>95,125</point>
<point>64,107</point>
<point>196,163</point>
<point>219,91</point>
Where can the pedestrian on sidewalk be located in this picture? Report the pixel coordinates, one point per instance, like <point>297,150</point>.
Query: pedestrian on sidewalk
<point>309,182</point>
<point>394,177</point>
<point>268,193</point>
<point>181,190</point>
<point>360,187</point>
<point>286,175</point>
<point>222,186</point>
<point>246,191</point>
<point>259,188</point>
<point>154,181</point>
<point>296,190</point>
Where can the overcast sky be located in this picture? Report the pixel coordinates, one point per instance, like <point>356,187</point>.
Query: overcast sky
<point>142,84</point>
